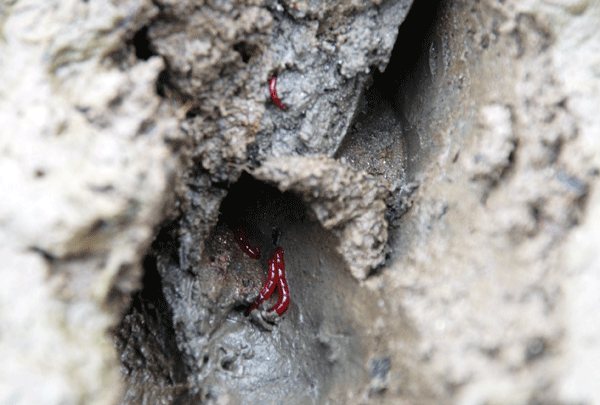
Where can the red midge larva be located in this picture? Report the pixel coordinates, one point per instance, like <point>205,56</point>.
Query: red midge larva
<point>273,91</point>
<point>242,239</point>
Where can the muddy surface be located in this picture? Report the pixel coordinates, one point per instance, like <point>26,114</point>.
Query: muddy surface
<point>374,143</point>
<point>477,260</point>
<point>438,218</point>
<point>232,128</point>
<point>308,355</point>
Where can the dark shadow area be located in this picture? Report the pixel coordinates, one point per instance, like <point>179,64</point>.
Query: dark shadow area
<point>407,72</point>
<point>141,44</point>
<point>261,209</point>
<point>146,340</point>
<point>380,139</point>
<point>246,50</point>
<point>410,50</point>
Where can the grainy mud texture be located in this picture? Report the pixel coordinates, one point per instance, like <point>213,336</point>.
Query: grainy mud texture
<point>439,220</point>
<point>496,261</point>
<point>84,177</point>
<point>374,143</point>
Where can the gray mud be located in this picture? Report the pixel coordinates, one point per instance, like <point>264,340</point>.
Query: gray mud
<point>308,355</point>
<point>433,183</point>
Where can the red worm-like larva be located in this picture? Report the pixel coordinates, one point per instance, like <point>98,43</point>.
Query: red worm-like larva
<point>242,239</point>
<point>284,289</point>
<point>268,288</point>
<point>276,279</point>
<point>273,91</point>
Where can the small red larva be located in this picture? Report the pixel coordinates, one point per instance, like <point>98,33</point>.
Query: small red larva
<point>268,288</point>
<point>242,239</point>
<point>284,289</point>
<point>273,91</point>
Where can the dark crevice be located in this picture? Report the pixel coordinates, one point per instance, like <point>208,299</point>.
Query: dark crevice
<point>379,139</point>
<point>145,338</point>
<point>246,50</point>
<point>407,71</point>
<point>141,44</point>
<point>163,83</point>
<point>411,48</point>
<point>250,201</point>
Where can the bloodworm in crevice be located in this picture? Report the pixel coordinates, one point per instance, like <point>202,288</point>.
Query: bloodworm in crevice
<point>284,289</point>
<point>276,279</point>
<point>268,288</point>
<point>242,239</point>
<point>273,91</point>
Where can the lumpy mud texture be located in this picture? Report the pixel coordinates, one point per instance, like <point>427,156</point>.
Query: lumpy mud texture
<point>348,202</point>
